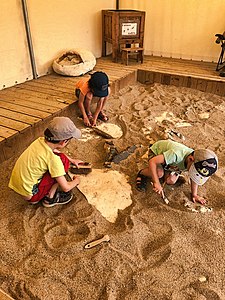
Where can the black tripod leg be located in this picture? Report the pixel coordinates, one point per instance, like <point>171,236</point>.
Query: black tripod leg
<point>220,61</point>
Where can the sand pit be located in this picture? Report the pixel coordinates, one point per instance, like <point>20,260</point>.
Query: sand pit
<point>156,251</point>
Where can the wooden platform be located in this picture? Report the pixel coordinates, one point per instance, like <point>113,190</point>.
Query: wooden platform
<point>4,296</point>
<point>26,109</point>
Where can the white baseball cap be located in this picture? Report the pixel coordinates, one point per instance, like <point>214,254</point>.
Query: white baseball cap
<point>205,164</point>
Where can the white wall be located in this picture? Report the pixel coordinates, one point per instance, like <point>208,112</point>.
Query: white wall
<point>174,28</point>
<point>55,26</point>
<point>181,28</point>
<point>14,56</point>
<point>61,25</point>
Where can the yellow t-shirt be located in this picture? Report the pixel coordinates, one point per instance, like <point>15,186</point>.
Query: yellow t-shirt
<point>33,163</point>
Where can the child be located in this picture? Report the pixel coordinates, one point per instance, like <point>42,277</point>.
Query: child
<point>170,158</point>
<point>86,89</point>
<point>41,168</point>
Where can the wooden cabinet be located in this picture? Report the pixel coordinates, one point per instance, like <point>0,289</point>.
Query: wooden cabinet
<point>122,29</point>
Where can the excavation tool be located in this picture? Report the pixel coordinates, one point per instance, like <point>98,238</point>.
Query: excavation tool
<point>83,168</point>
<point>102,133</point>
<point>165,199</point>
<point>105,238</point>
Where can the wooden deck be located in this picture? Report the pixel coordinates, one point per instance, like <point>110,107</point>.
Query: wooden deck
<point>26,108</point>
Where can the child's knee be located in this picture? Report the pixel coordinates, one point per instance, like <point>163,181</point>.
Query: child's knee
<point>89,96</point>
<point>27,198</point>
<point>160,172</point>
<point>172,179</point>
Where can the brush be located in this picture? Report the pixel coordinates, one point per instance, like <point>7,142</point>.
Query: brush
<point>83,168</point>
<point>105,238</point>
<point>165,199</point>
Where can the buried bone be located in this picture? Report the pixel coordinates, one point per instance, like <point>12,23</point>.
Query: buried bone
<point>105,238</point>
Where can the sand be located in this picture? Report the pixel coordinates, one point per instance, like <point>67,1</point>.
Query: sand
<point>156,251</point>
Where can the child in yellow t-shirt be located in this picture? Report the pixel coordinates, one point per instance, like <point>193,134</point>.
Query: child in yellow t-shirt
<point>41,168</point>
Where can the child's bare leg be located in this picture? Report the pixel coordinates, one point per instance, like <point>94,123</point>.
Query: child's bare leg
<point>103,102</point>
<point>27,198</point>
<point>141,179</point>
<point>99,108</point>
<point>87,103</point>
<point>53,190</point>
<point>101,115</point>
<point>146,171</point>
<point>171,178</point>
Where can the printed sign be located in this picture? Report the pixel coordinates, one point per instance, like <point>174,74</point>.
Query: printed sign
<point>129,28</point>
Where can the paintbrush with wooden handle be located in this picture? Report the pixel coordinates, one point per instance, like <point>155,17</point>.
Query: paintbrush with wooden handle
<point>165,199</point>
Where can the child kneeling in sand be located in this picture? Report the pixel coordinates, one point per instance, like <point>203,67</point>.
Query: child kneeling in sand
<point>41,168</point>
<point>168,158</point>
<point>86,89</point>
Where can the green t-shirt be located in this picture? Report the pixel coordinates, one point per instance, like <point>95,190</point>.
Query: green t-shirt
<point>174,153</point>
<point>33,163</point>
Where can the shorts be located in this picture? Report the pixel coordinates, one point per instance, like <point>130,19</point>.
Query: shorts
<point>169,169</point>
<point>151,154</point>
<point>47,181</point>
<point>77,93</point>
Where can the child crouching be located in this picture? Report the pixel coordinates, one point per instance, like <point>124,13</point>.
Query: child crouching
<point>41,168</point>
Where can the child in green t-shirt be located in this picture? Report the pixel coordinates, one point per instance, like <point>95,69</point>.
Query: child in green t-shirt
<point>168,159</point>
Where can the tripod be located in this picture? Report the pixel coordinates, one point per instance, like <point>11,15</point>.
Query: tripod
<point>221,62</point>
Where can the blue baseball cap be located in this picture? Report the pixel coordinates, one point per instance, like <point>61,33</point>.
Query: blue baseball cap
<point>99,83</point>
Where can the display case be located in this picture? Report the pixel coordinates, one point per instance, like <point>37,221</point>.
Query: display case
<point>122,29</point>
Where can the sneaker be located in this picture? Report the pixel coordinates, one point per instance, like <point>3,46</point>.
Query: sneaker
<point>59,198</point>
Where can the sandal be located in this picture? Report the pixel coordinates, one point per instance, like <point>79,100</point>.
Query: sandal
<point>141,182</point>
<point>103,117</point>
<point>89,115</point>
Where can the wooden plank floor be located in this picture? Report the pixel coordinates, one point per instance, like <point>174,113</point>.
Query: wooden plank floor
<point>26,108</point>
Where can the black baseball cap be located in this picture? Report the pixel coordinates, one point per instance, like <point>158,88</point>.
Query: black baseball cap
<point>99,83</point>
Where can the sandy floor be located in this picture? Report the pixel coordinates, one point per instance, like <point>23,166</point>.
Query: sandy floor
<point>156,251</point>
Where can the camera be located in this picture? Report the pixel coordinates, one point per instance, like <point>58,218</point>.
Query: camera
<point>220,37</point>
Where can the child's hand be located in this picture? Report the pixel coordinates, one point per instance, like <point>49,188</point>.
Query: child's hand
<point>76,179</point>
<point>157,188</point>
<point>199,199</point>
<point>56,151</point>
<point>76,162</point>
<point>87,121</point>
<point>94,123</point>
